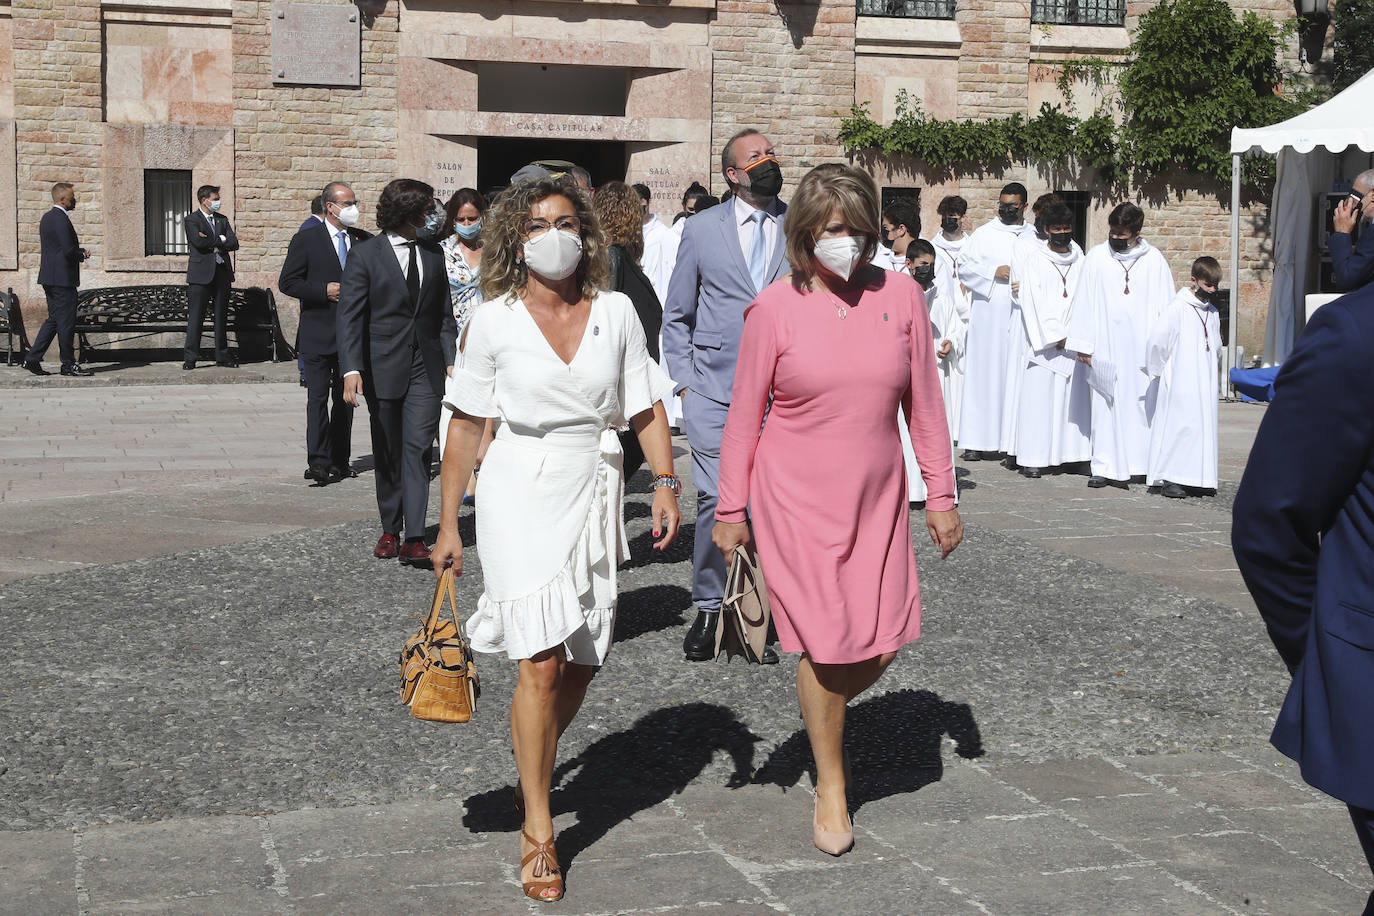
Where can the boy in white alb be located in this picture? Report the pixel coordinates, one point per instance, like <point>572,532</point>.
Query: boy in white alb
<point>1183,353</point>
<point>1126,285</point>
<point>949,312</point>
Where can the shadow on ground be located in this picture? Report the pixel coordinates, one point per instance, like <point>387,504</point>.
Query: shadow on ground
<point>893,742</point>
<point>622,774</point>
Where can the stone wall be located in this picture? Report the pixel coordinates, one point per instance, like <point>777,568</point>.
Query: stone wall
<point>787,71</point>
<point>289,141</point>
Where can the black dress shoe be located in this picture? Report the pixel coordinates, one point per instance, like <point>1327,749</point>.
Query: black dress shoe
<point>1095,482</point>
<point>699,645</point>
<point>970,455</point>
<point>318,474</point>
<point>1009,463</point>
<point>229,363</point>
<point>340,471</point>
<point>77,370</point>
<point>36,367</point>
<point>1172,490</point>
<point>189,364</point>
<point>1032,473</point>
<point>770,655</point>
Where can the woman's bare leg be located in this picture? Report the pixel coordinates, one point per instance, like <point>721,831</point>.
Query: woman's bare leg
<point>821,691</point>
<point>534,727</point>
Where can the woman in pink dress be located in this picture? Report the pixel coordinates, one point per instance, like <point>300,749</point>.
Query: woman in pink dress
<point>837,346</point>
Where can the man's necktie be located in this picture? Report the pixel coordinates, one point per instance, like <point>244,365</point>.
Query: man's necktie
<point>758,252</point>
<point>343,248</point>
<point>413,278</point>
<point>214,239</point>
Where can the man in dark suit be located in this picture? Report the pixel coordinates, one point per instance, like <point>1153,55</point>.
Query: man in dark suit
<point>1303,533</point>
<point>59,272</point>
<point>397,337</point>
<point>209,274</point>
<point>1352,265</point>
<point>312,272</point>
<point>316,212</point>
<point>728,254</point>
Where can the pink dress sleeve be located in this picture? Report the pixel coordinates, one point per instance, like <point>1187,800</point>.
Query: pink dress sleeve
<point>924,407</point>
<point>758,356</point>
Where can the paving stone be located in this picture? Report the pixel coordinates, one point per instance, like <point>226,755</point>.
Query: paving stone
<point>891,888</point>
<point>37,872</point>
<point>163,861</point>
<point>1253,875</point>
<point>1052,783</point>
<point>1135,889</point>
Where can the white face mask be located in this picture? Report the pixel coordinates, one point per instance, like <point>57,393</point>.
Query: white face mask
<point>840,255</point>
<point>214,206</point>
<point>554,255</point>
<point>348,216</point>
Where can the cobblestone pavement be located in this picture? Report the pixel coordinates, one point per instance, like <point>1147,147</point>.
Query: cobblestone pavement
<point>201,711</point>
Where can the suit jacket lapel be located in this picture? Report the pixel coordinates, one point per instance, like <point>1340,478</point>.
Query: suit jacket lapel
<point>730,230</point>
<point>779,246</point>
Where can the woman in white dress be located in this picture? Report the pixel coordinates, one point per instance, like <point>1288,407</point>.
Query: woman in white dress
<point>559,363</point>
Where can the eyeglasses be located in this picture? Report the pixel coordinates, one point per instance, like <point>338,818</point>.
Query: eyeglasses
<point>533,228</point>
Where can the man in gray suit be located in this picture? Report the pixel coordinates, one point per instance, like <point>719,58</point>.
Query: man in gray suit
<point>728,254</point>
<point>396,338</point>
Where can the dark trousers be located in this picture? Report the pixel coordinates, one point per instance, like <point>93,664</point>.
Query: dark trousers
<point>200,295</point>
<point>328,418</point>
<point>403,431</point>
<point>61,322</point>
<point>705,421</point>
<point>1364,828</point>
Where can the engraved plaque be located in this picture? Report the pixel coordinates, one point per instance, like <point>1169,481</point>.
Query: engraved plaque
<point>316,44</point>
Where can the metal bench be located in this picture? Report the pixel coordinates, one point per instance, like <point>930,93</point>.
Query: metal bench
<point>125,313</point>
<point>12,326</point>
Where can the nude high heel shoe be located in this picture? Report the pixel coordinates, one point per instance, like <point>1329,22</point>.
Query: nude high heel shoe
<point>834,843</point>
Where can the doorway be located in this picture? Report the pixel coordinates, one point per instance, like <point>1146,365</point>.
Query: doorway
<point>499,157</point>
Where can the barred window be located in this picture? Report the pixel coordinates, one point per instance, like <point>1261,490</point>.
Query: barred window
<point>166,201</point>
<point>908,9</point>
<point>1079,12</point>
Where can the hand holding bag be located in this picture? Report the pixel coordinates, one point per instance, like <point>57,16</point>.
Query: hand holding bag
<point>744,612</point>
<point>438,675</point>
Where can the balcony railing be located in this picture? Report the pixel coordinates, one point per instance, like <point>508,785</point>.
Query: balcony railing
<point>908,9</point>
<point>1079,12</point>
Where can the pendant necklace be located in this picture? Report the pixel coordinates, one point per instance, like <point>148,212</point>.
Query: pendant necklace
<point>1127,290</point>
<point>1206,337</point>
<point>841,311</point>
<point>1063,276</point>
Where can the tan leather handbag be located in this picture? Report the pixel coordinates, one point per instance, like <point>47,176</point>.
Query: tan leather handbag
<point>438,675</point>
<point>744,612</point>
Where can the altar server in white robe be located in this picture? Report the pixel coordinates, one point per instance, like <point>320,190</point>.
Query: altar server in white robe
<point>1027,247</point>
<point>950,240</point>
<point>1055,413</point>
<point>948,326</point>
<point>658,260</point>
<point>1126,285</point>
<point>1182,353</point>
<point>984,268</point>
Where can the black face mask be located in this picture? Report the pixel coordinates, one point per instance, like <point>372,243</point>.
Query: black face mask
<point>924,275</point>
<point>1009,213</point>
<point>1118,244</point>
<point>765,178</point>
<point>1061,239</point>
<point>950,224</point>
<point>1206,297</point>
<point>885,239</point>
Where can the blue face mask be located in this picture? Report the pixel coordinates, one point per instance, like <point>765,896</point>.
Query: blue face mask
<point>470,231</point>
<point>429,232</point>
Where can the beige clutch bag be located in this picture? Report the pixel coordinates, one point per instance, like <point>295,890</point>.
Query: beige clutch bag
<point>744,613</point>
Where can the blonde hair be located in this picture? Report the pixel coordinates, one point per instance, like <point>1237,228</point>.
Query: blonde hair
<point>503,269</point>
<point>820,191</point>
<point>620,210</point>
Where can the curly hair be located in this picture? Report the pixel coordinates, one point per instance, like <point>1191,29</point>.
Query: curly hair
<point>455,203</point>
<point>503,266</point>
<point>621,213</point>
<point>402,199</point>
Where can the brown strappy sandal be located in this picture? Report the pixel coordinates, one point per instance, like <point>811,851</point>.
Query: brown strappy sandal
<point>545,861</point>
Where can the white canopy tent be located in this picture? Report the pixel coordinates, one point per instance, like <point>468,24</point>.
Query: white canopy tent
<point>1309,149</point>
